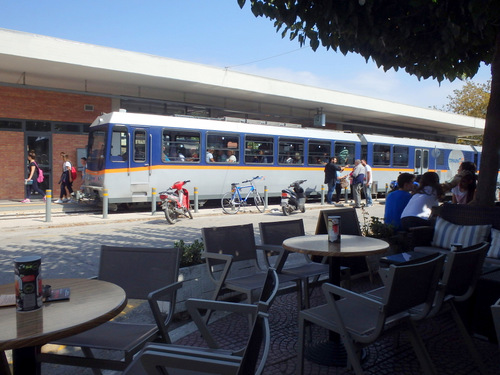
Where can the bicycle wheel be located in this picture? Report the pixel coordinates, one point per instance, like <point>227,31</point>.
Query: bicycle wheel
<point>230,203</point>
<point>258,201</point>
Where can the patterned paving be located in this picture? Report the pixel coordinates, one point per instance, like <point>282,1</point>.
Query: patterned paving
<point>391,355</point>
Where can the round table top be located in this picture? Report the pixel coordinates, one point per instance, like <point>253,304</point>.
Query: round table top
<point>349,245</point>
<point>91,303</point>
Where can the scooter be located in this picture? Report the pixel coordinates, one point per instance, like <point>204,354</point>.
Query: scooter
<point>293,198</point>
<point>175,202</point>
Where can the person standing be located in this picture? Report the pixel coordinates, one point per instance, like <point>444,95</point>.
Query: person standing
<point>397,200</point>
<point>358,178</point>
<point>65,181</point>
<point>31,182</point>
<point>331,170</point>
<point>368,183</point>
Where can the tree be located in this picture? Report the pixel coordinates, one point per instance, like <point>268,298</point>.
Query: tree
<point>443,39</point>
<point>471,100</point>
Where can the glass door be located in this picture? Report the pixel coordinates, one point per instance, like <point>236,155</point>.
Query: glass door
<point>41,144</point>
<point>421,161</point>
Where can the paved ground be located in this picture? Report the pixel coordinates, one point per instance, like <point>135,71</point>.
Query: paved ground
<point>77,236</point>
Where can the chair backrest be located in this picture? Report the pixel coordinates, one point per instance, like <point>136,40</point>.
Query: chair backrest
<point>259,338</point>
<point>349,224</point>
<point>139,270</point>
<point>408,286</point>
<point>463,269</point>
<point>495,311</point>
<point>275,232</point>
<point>235,240</point>
<point>464,214</point>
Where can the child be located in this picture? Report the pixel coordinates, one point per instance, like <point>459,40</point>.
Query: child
<point>464,191</point>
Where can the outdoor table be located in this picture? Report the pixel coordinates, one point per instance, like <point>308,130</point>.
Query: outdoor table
<point>91,303</point>
<point>332,352</point>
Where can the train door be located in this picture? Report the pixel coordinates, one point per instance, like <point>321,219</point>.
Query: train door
<point>421,160</point>
<point>140,162</point>
<point>40,143</point>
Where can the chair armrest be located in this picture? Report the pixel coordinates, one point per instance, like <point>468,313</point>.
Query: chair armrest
<point>196,306</point>
<point>420,236</point>
<point>163,319</point>
<point>345,293</point>
<point>269,250</point>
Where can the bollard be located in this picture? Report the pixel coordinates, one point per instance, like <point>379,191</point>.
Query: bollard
<point>105,203</point>
<point>153,201</point>
<point>48,202</point>
<point>322,195</point>
<point>386,189</point>
<point>195,199</point>
<point>346,196</point>
<point>266,196</point>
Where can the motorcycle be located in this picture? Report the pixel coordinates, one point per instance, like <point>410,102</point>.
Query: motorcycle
<point>175,202</point>
<point>293,198</point>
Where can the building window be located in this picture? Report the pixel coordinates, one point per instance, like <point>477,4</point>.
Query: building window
<point>11,125</point>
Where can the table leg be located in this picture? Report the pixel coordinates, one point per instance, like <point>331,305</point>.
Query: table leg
<point>24,361</point>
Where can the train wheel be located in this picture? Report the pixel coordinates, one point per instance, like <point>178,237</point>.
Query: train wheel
<point>230,203</point>
<point>170,213</point>
<point>259,202</point>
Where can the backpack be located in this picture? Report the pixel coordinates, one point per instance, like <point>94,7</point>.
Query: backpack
<point>40,174</point>
<point>73,173</point>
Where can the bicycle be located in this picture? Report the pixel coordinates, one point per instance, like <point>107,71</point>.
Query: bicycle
<point>232,201</point>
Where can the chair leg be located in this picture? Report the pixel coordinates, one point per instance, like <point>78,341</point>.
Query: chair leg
<point>353,355</point>
<point>467,339</point>
<point>88,353</point>
<point>300,347</point>
<point>420,350</point>
<point>4,365</point>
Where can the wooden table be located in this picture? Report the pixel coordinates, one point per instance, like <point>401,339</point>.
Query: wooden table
<point>91,303</point>
<point>332,352</point>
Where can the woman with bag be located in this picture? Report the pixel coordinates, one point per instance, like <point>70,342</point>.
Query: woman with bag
<point>31,182</point>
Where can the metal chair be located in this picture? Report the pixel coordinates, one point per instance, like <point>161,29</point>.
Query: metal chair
<point>461,272</point>
<point>230,247</point>
<point>349,224</point>
<point>360,319</point>
<point>495,312</point>
<point>156,358</point>
<point>272,235</point>
<point>144,273</point>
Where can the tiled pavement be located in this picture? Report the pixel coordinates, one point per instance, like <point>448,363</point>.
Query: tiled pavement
<point>391,355</point>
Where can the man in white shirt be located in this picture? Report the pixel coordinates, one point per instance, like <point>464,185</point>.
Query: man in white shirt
<point>358,177</point>
<point>368,183</point>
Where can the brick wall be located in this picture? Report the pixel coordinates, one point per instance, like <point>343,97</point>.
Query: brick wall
<point>12,165</point>
<point>49,105</point>
<point>31,104</point>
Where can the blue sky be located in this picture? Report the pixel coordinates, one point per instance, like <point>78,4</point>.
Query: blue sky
<point>219,33</point>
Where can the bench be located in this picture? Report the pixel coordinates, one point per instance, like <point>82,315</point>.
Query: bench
<point>458,223</point>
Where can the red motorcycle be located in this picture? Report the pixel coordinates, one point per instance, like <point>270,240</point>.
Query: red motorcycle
<point>175,202</point>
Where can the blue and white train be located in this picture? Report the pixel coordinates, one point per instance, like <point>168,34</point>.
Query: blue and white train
<point>129,154</point>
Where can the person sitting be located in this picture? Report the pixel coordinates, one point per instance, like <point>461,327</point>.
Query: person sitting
<point>397,200</point>
<point>463,193</point>
<point>231,158</point>
<point>418,210</point>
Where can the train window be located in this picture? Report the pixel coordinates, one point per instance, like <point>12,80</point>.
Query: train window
<point>291,151</point>
<point>223,148</point>
<point>140,146</point>
<point>95,157</point>
<point>318,152</point>
<point>119,144</point>
<point>180,145</point>
<point>344,153</point>
<point>440,158</point>
<point>259,149</point>
<point>381,154</point>
<point>400,156</point>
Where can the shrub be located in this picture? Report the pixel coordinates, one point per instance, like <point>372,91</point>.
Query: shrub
<point>191,253</point>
